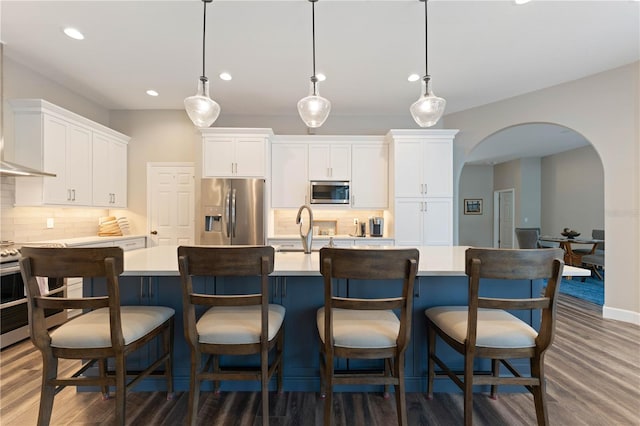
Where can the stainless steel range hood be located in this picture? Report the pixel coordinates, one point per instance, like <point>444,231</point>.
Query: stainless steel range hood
<point>12,169</point>
<point>7,168</point>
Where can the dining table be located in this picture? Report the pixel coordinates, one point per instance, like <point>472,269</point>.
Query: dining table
<point>571,257</point>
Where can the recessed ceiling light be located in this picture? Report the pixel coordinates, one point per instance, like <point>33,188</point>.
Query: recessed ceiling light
<point>521,1</point>
<point>152,92</point>
<point>321,77</point>
<point>74,33</point>
<point>413,77</point>
<point>225,76</point>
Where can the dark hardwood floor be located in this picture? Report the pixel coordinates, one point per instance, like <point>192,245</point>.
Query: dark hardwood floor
<point>593,375</point>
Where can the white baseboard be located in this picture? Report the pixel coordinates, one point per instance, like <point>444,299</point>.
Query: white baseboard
<point>621,315</point>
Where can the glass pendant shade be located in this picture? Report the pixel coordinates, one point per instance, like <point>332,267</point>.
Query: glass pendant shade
<point>201,109</point>
<point>428,109</point>
<point>314,109</point>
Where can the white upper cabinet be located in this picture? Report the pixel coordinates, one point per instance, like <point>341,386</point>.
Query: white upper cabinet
<point>329,161</point>
<point>426,167</point>
<point>370,176</point>
<point>55,140</point>
<point>289,180</point>
<point>109,171</point>
<point>230,152</point>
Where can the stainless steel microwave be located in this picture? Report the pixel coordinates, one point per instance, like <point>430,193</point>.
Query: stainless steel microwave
<point>329,192</point>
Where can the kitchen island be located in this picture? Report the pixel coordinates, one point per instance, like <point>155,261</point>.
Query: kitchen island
<point>151,276</point>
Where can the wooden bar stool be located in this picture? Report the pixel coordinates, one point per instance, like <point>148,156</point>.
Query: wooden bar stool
<point>365,328</point>
<point>238,324</point>
<point>108,330</point>
<point>484,328</point>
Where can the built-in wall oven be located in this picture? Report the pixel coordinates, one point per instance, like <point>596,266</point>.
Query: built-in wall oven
<point>14,321</point>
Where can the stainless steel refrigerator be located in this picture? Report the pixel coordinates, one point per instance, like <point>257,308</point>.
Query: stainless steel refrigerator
<point>232,211</point>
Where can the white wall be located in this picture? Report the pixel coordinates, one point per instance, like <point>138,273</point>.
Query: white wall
<point>614,130</point>
<point>476,230</point>
<point>573,192</point>
<point>530,193</point>
<point>156,136</point>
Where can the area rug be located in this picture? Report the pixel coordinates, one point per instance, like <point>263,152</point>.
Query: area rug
<point>592,289</point>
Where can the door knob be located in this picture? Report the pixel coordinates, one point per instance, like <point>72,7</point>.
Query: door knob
<point>154,232</point>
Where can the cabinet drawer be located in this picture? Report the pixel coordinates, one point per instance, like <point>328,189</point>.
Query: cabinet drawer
<point>133,244</point>
<point>101,244</point>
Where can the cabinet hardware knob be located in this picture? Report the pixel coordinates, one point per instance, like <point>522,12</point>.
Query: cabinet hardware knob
<point>154,232</point>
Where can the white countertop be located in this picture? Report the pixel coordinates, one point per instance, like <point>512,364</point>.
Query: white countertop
<point>434,261</point>
<point>79,241</point>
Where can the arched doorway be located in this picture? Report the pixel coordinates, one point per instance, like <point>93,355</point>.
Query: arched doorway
<point>556,175</point>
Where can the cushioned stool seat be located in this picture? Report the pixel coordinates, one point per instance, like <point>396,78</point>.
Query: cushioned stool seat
<point>361,329</point>
<point>92,330</point>
<point>233,325</point>
<point>496,329</point>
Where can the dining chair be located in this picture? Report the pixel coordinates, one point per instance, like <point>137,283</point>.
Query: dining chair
<point>486,328</point>
<point>528,238</point>
<point>233,324</point>
<point>355,328</point>
<point>106,330</point>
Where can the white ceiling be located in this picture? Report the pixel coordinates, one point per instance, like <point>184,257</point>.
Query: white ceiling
<point>479,51</point>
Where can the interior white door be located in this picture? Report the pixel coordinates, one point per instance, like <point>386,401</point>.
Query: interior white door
<point>505,218</point>
<point>170,204</point>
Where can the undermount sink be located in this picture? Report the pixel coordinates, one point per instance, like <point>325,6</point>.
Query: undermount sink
<point>293,250</point>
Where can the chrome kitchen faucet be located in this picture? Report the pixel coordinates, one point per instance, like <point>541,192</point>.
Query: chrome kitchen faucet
<point>307,239</point>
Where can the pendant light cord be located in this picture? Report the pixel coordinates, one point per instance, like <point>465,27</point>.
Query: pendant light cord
<point>426,40</point>
<point>203,78</point>
<point>313,34</point>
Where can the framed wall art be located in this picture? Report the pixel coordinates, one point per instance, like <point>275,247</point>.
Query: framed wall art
<point>473,206</point>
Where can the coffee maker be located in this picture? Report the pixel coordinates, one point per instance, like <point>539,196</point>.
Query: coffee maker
<point>376,226</point>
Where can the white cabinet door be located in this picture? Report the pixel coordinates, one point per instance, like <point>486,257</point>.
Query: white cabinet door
<point>79,166</point>
<point>340,162</point>
<point>101,171</point>
<point>67,153</point>
<point>289,181</point>
<point>118,158</point>
<point>424,168</point>
<point>423,222</point>
<point>438,229</point>
<point>409,218</point>
<point>250,157</point>
<point>330,161</point>
<point>319,161</point>
<point>370,176</point>
<point>218,157</point>
<point>54,146</point>
<point>438,168</point>
<point>233,157</point>
<point>408,169</point>
<point>109,172</point>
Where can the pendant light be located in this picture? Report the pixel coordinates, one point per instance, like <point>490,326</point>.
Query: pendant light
<point>428,109</point>
<point>314,109</point>
<point>201,109</point>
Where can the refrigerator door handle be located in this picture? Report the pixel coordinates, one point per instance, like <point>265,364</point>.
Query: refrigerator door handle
<point>233,212</point>
<point>227,212</point>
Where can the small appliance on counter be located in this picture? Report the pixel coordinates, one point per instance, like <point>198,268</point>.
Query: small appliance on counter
<point>376,226</point>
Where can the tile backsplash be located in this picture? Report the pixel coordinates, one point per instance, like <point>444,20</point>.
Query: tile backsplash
<point>26,224</point>
<point>285,220</point>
